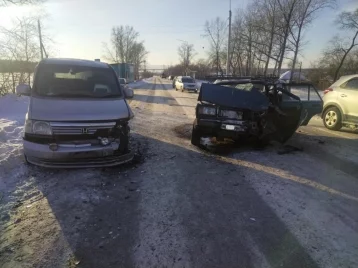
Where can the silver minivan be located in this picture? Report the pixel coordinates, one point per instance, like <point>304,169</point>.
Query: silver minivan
<point>77,116</point>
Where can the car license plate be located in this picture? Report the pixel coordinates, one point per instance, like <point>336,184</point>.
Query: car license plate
<point>230,127</point>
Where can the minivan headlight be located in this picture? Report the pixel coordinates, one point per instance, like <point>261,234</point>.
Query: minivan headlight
<point>38,127</point>
<point>41,127</point>
<point>207,110</point>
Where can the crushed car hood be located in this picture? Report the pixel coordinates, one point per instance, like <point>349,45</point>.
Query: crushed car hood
<point>232,97</point>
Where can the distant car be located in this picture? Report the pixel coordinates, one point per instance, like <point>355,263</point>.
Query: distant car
<point>174,80</point>
<point>186,83</point>
<point>341,103</point>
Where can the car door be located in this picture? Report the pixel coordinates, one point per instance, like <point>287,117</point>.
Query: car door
<point>348,98</point>
<point>311,100</point>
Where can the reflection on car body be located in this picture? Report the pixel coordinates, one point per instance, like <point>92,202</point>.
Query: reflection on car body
<point>264,110</point>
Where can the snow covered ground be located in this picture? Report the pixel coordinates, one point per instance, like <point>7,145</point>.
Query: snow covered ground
<point>12,117</point>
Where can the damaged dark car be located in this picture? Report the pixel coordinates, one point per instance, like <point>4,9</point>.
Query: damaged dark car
<point>258,109</point>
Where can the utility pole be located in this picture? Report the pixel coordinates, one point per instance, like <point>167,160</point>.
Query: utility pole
<point>228,44</point>
<point>40,37</point>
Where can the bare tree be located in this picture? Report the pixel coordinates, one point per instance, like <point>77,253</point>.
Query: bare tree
<point>347,21</point>
<point>4,3</point>
<point>125,47</point>
<point>287,9</point>
<point>123,39</point>
<point>186,53</point>
<point>305,14</point>
<point>216,31</point>
<point>138,54</point>
<point>20,49</point>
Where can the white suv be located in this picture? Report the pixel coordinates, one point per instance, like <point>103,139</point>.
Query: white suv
<point>340,106</point>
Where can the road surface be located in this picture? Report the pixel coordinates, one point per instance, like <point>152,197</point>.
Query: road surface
<point>179,206</point>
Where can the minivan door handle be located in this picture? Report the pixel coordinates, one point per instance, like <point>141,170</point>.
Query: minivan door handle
<point>343,95</point>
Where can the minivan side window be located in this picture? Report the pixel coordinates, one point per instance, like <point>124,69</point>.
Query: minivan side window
<point>352,84</point>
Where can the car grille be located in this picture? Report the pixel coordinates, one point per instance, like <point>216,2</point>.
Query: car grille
<point>231,114</point>
<point>59,129</point>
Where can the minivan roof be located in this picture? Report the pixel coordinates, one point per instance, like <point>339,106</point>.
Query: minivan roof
<point>78,62</point>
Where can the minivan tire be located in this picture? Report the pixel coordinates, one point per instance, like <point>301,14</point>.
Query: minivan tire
<point>332,118</point>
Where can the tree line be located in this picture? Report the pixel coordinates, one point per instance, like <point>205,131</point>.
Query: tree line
<point>269,35</point>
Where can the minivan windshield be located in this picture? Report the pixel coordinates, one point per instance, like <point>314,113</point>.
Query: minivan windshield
<point>187,80</point>
<point>76,81</point>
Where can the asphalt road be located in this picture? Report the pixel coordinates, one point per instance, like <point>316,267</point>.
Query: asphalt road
<point>178,206</point>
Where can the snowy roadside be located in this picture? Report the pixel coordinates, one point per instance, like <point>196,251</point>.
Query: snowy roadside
<point>12,117</point>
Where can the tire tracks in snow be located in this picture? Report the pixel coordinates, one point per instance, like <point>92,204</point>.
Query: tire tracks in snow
<point>161,237</point>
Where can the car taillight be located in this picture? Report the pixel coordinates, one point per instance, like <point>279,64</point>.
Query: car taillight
<point>327,90</point>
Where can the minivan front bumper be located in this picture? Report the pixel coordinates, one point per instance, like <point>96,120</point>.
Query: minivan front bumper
<point>75,157</point>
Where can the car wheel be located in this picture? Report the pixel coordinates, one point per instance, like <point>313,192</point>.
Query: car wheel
<point>195,137</point>
<point>182,90</point>
<point>176,89</point>
<point>332,119</point>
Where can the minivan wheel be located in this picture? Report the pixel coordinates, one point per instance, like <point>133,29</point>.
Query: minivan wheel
<point>332,119</point>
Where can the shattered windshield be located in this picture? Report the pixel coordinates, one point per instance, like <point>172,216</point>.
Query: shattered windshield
<point>75,81</point>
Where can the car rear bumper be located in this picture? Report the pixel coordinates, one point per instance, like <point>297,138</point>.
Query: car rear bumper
<point>65,157</point>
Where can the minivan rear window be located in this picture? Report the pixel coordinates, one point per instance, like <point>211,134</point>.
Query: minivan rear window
<point>75,81</point>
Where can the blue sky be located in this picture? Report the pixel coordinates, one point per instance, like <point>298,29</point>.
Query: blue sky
<point>79,27</point>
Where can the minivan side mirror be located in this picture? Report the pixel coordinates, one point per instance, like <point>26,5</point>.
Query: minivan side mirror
<point>128,93</point>
<point>23,89</point>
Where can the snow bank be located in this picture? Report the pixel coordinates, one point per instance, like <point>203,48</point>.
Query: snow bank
<point>138,84</point>
<point>12,117</point>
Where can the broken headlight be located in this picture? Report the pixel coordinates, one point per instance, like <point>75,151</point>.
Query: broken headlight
<point>207,110</point>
